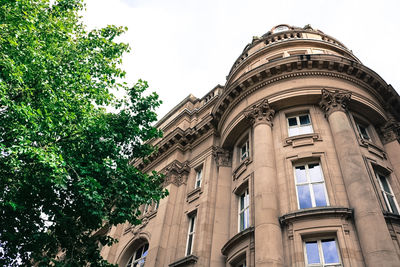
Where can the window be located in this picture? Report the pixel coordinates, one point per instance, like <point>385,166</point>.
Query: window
<point>363,132</point>
<point>198,177</point>
<point>242,264</point>
<point>147,207</point>
<point>191,231</point>
<point>138,258</point>
<point>244,214</point>
<point>387,193</point>
<point>321,253</point>
<point>310,186</point>
<point>244,150</point>
<point>300,124</point>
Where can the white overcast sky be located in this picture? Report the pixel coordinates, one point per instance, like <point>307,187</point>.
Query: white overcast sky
<point>188,46</point>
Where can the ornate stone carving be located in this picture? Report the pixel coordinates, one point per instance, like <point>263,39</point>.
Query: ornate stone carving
<point>334,100</point>
<point>222,157</point>
<point>260,112</point>
<point>390,131</point>
<point>176,173</point>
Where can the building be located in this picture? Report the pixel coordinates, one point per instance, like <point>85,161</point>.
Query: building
<point>295,161</point>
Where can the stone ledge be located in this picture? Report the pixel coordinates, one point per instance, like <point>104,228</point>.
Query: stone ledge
<point>194,194</point>
<point>236,239</point>
<point>391,217</point>
<point>302,140</point>
<point>191,259</point>
<point>314,212</point>
<point>241,168</point>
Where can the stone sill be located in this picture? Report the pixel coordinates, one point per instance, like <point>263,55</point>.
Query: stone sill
<point>391,216</point>
<point>241,168</point>
<point>302,140</point>
<point>194,194</point>
<point>236,239</point>
<point>191,259</point>
<point>373,148</point>
<point>315,212</point>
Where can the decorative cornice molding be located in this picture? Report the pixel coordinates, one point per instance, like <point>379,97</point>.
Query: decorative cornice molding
<point>222,157</point>
<point>334,100</point>
<point>260,113</point>
<point>176,173</point>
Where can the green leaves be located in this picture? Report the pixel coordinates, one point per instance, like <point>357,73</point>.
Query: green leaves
<point>64,168</point>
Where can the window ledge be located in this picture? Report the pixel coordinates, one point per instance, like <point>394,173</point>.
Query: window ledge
<point>391,216</point>
<point>191,259</point>
<point>314,212</point>
<point>373,148</point>
<point>241,168</point>
<point>302,140</point>
<point>246,233</point>
<point>194,194</point>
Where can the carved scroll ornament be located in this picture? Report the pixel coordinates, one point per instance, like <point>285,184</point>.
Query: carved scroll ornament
<point>334,100</point>
<point>260,113</point>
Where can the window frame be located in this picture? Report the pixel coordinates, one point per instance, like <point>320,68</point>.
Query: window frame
<point>242,211</point>
<point>190,235</point>
<point>298,125</point>
<point>385,194</point>
<point>359,131</point>
<point>310,183</point>
<point>320,252</point>
<point>246,145</point>
<point>132,261</point>
<point>198,177</point>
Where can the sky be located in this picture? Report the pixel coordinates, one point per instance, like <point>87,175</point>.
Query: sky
<point>184,47</point>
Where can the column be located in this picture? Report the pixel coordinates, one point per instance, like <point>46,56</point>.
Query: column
<point>222,205</point>
<point>376,243</point>
<point>391,143</point>
<point>268,236</point>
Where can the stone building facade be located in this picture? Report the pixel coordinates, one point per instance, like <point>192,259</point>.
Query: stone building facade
<point>295,161</point>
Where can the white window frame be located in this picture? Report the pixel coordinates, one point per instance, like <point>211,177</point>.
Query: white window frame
<point>298,126</point>
<point>310,184</point>
<point>242,211</point>
<point>321,254</point>
<point>246,154</point>
<point>190,235</point>
<point>385,194</point>
<point>199,174</point>
<point>365,127</point>
<point>142,259</point>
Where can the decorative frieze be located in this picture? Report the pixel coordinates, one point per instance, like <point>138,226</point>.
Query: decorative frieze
<point>260,112</point>
<point>334,100</point>
<point>222,157</point>
<point>176,173</point>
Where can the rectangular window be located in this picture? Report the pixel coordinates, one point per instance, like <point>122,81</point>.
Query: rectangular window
<point>363,132</point>
<point>190,238</point>
<point>244,209</point>
<point>242,264</point>
<point>321,253</point>
<point>387,193</point>
<point>244,150</point>
<point>310,186</point>
<point>198,177</point>
<point>300,124</point>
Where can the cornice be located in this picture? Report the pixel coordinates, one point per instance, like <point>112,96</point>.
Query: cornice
<point>313,213</point>
<point>237,239</point>
<point>301,66</point>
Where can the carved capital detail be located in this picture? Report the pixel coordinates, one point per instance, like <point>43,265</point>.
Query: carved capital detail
<point>390,131</point>
<point>334,100</point>
<point>222,157</point>
<point>260,112</point>
<point>176,173</point>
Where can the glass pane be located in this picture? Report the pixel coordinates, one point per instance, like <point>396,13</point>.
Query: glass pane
<point>242,197</point>
<point>305,129</point>
<point>319,194</point>
<point>301,174</point>
<point>312,252</point>
<point>292,121</point>
<point>246,219</point>
<point>138,253</point>
<point>241,226</point>
<point>384,183</point>
<point>191,224</point>
<point>303,192</point>
<point>294,131</point>
<point>130,261</point>
<point>146,250</point>
<point>189,245</point>
<point>330,252</point>
<point>363,132</point>
<point>315,172</point>
<point>392,204</point>
<point>304,119</point>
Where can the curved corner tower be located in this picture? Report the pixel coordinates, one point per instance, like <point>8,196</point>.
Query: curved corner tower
<point>295,161</point>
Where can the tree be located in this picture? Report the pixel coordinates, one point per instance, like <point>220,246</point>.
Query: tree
<point>64,159</point>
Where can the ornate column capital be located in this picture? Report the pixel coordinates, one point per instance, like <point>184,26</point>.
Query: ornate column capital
<point>334,100</point>
<point>260,112</point>
<point>176,173</point>
<point>390,131</point>
<point>222,157</point>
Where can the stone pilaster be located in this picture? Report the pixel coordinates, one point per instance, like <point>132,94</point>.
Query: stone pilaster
<point>268,237</point>
<point>390,134</point>
<point>376,243</point>
<point>221,222</point>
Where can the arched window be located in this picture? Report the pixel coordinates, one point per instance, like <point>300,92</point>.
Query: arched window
<point>138,257</point>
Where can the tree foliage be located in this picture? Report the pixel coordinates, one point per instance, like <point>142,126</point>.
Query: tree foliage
<point>64,159</point>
